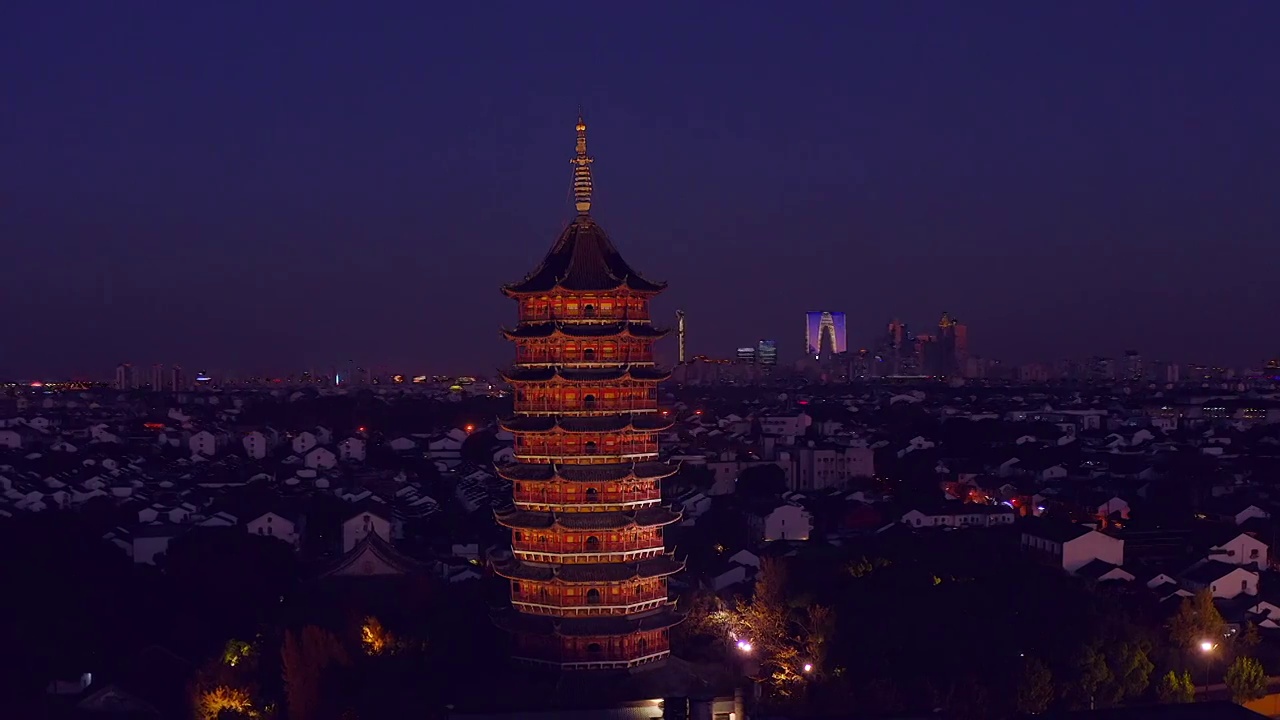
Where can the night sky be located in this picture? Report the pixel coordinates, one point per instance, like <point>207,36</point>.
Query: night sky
<point>258,186</point>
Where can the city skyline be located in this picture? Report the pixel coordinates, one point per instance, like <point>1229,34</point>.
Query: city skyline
<point>275,209</point>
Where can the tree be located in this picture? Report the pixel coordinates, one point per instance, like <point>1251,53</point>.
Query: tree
<point>216,702</point>
<point>1176,688</point>
<point>1197,621</point>
<point>1248,638</point>
<point>762,481</point>
<point>1246,680</point>
<point>1130,671</point>
<point>305,660</point>
<point>1035,687</point>
<point>1093,679</point>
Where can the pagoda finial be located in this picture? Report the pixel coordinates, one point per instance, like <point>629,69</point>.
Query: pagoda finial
<point>582,170</point>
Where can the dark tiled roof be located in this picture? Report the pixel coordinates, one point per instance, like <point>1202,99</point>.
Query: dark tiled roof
<point>583,258</point>
<point>647,422</point>
<point>1058,531</point>
<point>587,473</point>
<point>593,330</point>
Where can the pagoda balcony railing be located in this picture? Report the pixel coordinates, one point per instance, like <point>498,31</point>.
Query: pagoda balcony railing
<point>564,502</point>
<point>601,407</point>
<point>595,556</point>
<point>595,661</point>
<point>545,314</point>
<point>584,609</point>
<point>592,459</point>
<point>575,360</point>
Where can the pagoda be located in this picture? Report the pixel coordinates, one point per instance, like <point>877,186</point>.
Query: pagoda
<point>589,569</point>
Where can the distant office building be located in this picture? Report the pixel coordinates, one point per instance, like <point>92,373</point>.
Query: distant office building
<point>1134,371</point>
<point>124,377</point>
<point>767,353</point>
<point>950,354</point>
<point>177,382</point>
<point>747,355</point>
<point>157,378</point>
<point>824,334</point>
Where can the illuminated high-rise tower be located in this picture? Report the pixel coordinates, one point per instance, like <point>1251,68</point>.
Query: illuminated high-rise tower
<point>824,334</point>
<point>589,568</point>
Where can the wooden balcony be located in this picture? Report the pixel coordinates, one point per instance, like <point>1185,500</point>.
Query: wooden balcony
<point>587,557</point>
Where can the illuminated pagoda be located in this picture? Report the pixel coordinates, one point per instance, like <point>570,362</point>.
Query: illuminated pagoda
<point>589,569</point>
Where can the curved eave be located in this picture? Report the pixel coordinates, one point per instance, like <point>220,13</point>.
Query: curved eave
<point>544,375</point>
<point>575,425</point>
<point>541,286</point>
<point>592,330</point>
<point>517,472</point>
<point>603,626</point>
<point>534,520</point>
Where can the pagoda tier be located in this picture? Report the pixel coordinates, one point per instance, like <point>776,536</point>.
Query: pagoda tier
<point>647,422</point>
<point>657,567</point>
<point>584,353</point>
<point>602,307</point>
<point>592,643</point>
<point>589,564</point>
<point>530,378</point>
<point>588,330</point>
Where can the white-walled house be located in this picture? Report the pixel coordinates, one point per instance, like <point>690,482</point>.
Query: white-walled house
<point>784,522</point>
<point>1070,546</point>
<point>351,450</point>
<point>276,525</point>
<point>959,515</point>
<point>1223,580</point>
<point>204,443</point>
<point>258,443</point>
<point>320,458</point>
<point>355,528</point>
<point>1241,549</point>
<point>304,441</point>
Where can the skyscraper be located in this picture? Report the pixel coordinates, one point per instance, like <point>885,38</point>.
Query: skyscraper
<point>767,353</point>
<point>589,568</point>
<point>824,334</point>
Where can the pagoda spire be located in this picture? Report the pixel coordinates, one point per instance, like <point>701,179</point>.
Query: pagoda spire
<point>582,170</point>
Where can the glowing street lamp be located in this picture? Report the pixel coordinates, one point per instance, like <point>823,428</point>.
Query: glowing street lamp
<point>1207,646</point>
<point>808,667</point>
<point>744,646</point>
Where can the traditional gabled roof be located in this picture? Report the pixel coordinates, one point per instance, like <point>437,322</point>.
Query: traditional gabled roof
<point>373,556</point>
<point>531,520</point>
<point>587,473</point>
<point>664,617</point>
<point>625,372</point>
<point>592,330</point>
<point>660,566</point>
<point>641,422</point>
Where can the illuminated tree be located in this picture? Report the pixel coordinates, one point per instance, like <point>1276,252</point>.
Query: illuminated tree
<point>1176,688</point>
<point>305,659</point>
<point>1197,621</point>
<point>214,702</point>
<point>1246,680</point>
<point>1248,638</point>
<point>236,652</point>
<point>374,638</point>
<point>1035,687</point>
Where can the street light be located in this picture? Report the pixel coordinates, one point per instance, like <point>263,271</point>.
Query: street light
<point>808,667</point>
<point>1207,646</point>
<point>744,646</point>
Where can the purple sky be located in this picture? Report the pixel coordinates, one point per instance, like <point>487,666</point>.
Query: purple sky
<point>269,186</point>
